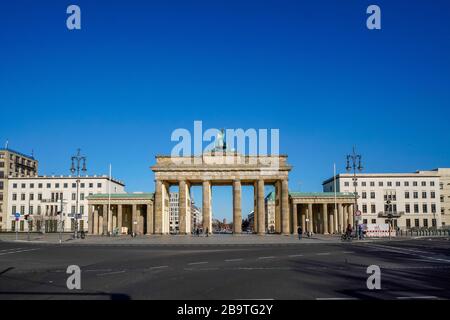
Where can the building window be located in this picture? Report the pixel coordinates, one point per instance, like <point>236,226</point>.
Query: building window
<point>397,184</point>
<point>346,183</point>
<point>406,184</point>
<point>81,196</point>
<point>57,185</point>
<point>372,195</point>
<point>415,183</point>
<point>424,208</point>
<point>416,208</point>
<point>99,185</point>
<point>364,208</point>
<point>14,196</point>
<point>389,183</point>
<point>30,210</point>
<point>415,195</point>
<point>73,209</point>
<point>374,221</point>
<point>14,210</point>
<point>380,184</point>
<point>31,185</point>
<point>372,184</point>
<point>81,209</point>
<point>39,196</point>
<point>66,185</point>
<point>91,185</point>
<point>372,208</point>
<point>416,223</point>
<point>49,185</point>
<point>364,195</point>
<point>433,223</point>
<point>39,210</point>
<point>364,221</point>
<point>74,196</point>
<point>31,196</point>
<point>407,208</point>
<point>433,208</point>
<point>424,183</point>
<point>22,209</point>
<point>14,185</point>
<point>22,196</point>
<point>363,184</point>
<point>406,195</point>
<point>40,185</point>
<point>408,223</point>
<point>431,183</point>
<point>74,185</point>
<point>424,195</point>
<point>425,223</point>
<point>432,195</point>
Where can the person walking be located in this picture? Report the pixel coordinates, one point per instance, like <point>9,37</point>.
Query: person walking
<point>300,233</point>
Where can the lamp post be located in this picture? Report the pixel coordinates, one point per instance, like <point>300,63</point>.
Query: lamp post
<point>78,163</point>
<point>354,163</point>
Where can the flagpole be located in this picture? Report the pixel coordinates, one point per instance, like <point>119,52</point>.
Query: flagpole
<point>336,223</point>
<point>109,197</point>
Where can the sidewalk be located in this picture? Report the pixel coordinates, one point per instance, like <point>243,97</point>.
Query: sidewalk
<point>216,239</point>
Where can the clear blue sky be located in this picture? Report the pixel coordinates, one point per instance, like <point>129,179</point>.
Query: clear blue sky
<point>140,69</point>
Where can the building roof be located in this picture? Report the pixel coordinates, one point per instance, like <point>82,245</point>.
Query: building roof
<point>17,152</point>
<point>66,177</point>
<point>382,175</point>
<point>322,194</point>
<point>121,196</point>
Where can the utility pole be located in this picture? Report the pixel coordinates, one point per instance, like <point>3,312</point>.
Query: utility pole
<point>354,163</point>
<point>78,159</point>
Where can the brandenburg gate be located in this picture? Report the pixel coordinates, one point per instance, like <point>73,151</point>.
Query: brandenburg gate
<point>221,168</point>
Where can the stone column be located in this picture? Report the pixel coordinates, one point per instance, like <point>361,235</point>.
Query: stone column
<point>310,217</point>
<point>294,218</point>
<point>237,209</point>
<point>119,218</point>
<point>350,214</point>
<point>303,215</point>
<point>182,205</point>
<point>91,219</point>
<point>105,219</point>
<point>206,210</point>
<point>284,207</point>
<point>158,207</point>
<point>261,208</point>
<point>134,218</point>
<point>341,218</point>
<point>110,220</point>
<point>95,221</point>
<point>331,229</point>
<point>255,207</point>
<point>335,220</point>
<point>325,218</point>
<point>149,218</point>
<point>278,207</point>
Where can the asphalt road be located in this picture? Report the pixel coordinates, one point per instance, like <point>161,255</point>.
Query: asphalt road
<point>410,269</point>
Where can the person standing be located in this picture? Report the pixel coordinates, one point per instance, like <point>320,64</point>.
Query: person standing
<point>300,233</point>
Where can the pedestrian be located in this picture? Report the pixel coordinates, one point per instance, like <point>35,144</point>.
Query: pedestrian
<point>207,232</point>
<point>300,233</point>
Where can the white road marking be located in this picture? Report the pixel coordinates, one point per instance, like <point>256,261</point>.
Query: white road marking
<point>270,257</point>
<point>158,267</point>
<point>1,254</point>
<point>409,252</point>
<point>232,260</point>
<point>194,263</point>
<point>322,254</point>
<point>11,249</point>
<point>97,270</point>
<point>108,273</point>
<point>419,297</point>
<point>336,299</point>
<point>295,255</point>
<point>348,252</point>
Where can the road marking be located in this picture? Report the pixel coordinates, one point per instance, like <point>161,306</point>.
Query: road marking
<point>1,254</point>
<point>409,252</point>
<point>194,263</point>
<point>336,299</point>
<point>97,270</point>
<point>108,273</point>
<point>232,260</point>
<point>348,252</point>
<point>158,267</point>
<point>270,257</point>
<point>295,255</point>
<point>10,249</point>
<point>419,297</point>
<point>322,254</point>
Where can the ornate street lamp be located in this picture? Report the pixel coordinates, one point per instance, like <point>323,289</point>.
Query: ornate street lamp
<point>354,163</point>
<point>78,163</point>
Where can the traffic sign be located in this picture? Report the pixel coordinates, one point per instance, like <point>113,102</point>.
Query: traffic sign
<point>357,213</point>
<point>17,216</point>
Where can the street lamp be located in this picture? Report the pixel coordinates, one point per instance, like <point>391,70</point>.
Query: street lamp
<point>77,160</point>
<point>354,163</point>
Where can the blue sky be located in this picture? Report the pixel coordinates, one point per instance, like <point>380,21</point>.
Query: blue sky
<point>137,70</point>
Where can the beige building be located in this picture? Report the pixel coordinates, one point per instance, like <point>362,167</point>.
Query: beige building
<point>444,186</point>
<point>13,164</point>
<point>270,212</point>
